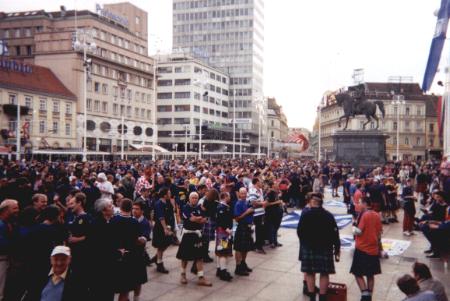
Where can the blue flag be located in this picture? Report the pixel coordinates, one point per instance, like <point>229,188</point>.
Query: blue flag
<point>436,45</point>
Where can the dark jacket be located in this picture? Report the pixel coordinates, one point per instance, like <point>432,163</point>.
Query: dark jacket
<point>318,230</point>
<point>74,288</point>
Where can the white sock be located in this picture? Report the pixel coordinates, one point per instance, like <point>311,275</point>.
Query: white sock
<point>200,274</point>
<point>159,260</point>
<point>223,263</point>
<point>218,262</point>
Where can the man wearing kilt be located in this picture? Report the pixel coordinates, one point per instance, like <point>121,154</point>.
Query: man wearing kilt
<point>191,242</point>
<point>224,240</point>
<point>243,240</point>
<point>319,238</point>
<point>162,233</point>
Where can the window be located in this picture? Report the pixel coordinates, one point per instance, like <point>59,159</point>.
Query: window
<point>42,126</point>
<point>43,104</point>
<point>17,50</point>
<point>182,108</point>
<point>6,34</point>
<point>115,109</point>
<point>164,109</point>
<point>97,87</point>
<point>406,141</point>
<point>17,32</point>
<point>115,91</point>
<point>137,96</point>
<point>406,124</point>
<point>166,95</point>
<point>181,121</point>
<point>129,94</point>
<point>149,98</point>
<point>431,142</point>
<point>12,99</point>
<point>180,95</point>
<point>28,32</point>
<point>407,109</point>
<point>136,112</point>
<point>105,89</point>
<point>149,114</point>
<point>55,106</point>
<point>29,50</point>
<point>419,111</point>
<point>431,127</point>
<point>137,20</point>
<point>67,129</point>
<point>55,127</point>
<point>68,108</point>
<point>29,102</point>
<point>395,126</point>
<point>128,111</point>
<point>163,121</point>
<point>178,70</point>
<point>418,141</point>
<point>89,104</point>
<point>182,82</point>
<point>89,85</point>
<point>96,105</point>
<point>104,107</point>
<point>142,113</point>
<point>165,82</point>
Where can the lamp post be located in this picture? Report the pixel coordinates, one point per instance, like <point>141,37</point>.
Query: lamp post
<point>234,124</point>
<point>122,138</point>
<point>201,83</point>
<point>397,101</point>
<point>319,112</point>
<point>84,41</point>
<point>185,141</point>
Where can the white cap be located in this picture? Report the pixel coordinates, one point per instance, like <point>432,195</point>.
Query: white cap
<point>61,250</point>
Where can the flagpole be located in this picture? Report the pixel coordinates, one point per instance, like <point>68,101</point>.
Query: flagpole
<point>446,112</point>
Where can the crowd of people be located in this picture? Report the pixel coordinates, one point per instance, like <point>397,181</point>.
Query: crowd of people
<point>66,225</point>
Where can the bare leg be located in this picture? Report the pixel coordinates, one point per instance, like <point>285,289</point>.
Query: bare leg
<point>238,256</point>
<point>199,263</point>
<point>324,281</point>
<point>370,283</point>
<point>361,283</point>
<point>137,290</point>
<point>310,281</point>
<point>123,297</point>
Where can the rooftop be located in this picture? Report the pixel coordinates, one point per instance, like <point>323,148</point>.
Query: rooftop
<point>40,80</point>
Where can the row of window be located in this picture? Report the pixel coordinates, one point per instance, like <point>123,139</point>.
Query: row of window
<point>207,15</point>
<point>206,3</point>
<point>19,32</point>
<point>119,75</point>
<point>123,59</point>
<point>103,88</point>
<point>21,50</point>
<point>187,95</point>
<point>122,110</point>
<point>43,130</point>
<point>406,141</point>
<point>121,42</point>
<point>187,108</point>
<point>43,104</point>
<point>186,69</point>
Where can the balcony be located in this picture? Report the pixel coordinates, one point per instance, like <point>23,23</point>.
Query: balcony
<point>11,110</point>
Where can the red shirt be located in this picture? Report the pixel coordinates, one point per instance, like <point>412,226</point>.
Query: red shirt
<point>357,200</point>
<point>369,240</point>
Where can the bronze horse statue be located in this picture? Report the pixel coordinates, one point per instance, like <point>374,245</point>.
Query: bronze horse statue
<point>361,106</point>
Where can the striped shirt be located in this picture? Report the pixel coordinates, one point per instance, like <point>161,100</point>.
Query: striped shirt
<point>256,195</point>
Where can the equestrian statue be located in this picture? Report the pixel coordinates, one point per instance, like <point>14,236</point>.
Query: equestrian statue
<point>355,103</point>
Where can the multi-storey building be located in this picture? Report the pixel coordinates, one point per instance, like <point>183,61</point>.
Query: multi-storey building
<point>408,118</point>
<point>189,93</point>
<point>433,136</point>
<point>47,108</point>
<point>121,73</point>
<point>277,128</point>
<point>229,35</point>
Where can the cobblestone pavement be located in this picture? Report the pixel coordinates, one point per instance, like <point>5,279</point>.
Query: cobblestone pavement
<point>276,275</point>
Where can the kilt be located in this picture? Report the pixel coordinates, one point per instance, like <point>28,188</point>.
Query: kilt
<point>129,273</point>
<point>317,261</point>
<point>243,239</point>
<point>190,247</point>
<point>364,264</point>
<point>209,231</point>
<point>160,240</point>
<point>224,243</point>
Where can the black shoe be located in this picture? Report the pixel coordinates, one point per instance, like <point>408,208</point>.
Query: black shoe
<point>218,272</point>
<point>434,255</point>
<point>240,270</point>
<point>161,269</point>
<point>260,251</point>
<point>279,245</point>
<point>312,296</point>
<point>225,276</point>
<point>152,260</point>
<point>273,246</point>
<point>208,259</point>
<point>323,297</point>
<point>246,268</point>
<point>429,251</point>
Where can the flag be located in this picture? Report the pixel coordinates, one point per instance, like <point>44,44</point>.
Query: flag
<point>436,45</point>
<point>299,138</point>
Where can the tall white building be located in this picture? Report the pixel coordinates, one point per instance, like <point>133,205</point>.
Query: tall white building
<point>189,91</point>
<point>228,34</point>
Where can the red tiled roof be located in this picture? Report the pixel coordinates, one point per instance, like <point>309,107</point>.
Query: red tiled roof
<point>41,81</point>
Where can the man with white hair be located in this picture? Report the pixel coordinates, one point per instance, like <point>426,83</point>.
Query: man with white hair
<point>105,187</point>
<point>9,210</point>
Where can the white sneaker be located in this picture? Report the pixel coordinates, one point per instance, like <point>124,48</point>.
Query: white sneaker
<point>406,233</point>
<point>412,233</point>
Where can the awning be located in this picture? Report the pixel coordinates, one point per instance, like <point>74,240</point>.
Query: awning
<point>149,148</point>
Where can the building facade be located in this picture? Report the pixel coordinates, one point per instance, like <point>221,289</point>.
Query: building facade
<point>191,93</point>
<point>230,36</point>
<point>409,119</point>
<point>47,110</point>
<point>277,128</point>
<point>119,89</point>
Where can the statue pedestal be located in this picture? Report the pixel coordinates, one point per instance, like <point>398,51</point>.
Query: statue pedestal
<point>364,148</point>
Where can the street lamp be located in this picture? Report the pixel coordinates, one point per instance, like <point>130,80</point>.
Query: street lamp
<point>201,83</point>
<point>84,41</point>
<point>319,112</point>
<point>397,101</point>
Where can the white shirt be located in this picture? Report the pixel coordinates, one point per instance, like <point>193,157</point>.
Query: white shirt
<point>106,189</point>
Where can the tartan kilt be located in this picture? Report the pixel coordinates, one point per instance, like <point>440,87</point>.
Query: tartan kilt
<point>317,261</point>
<point>364,264</point>
<point>243,239</point>
<point>190,247</point>
<point>221,250</point>
<point>209,231</point>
